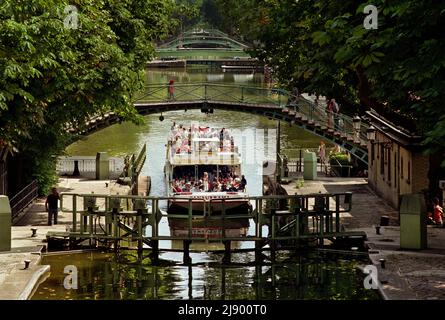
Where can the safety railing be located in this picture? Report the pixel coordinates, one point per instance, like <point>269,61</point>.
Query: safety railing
<point>115,217</point>
<point>201,38</point>
<point>265,97</point>
<point>24,198</point>
<point>340,169</point>
<point>85,165</point>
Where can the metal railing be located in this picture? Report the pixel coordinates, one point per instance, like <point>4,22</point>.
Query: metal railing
<point>203,37</point>
<point>293,166</point>
<point>66,165</point>
<point>338,169</point>
<point>265,97</point>
<point>24,198</point>
<point>296,217</point>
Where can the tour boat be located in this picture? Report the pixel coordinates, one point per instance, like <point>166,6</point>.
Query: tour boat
<point>203,171</point>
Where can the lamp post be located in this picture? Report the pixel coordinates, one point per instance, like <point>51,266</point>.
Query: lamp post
<point>356,124</point>
<point>370,134</point>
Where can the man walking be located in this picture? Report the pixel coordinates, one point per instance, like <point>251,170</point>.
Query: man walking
<point>51,206</point>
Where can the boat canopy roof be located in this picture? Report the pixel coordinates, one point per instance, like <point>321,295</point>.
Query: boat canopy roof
<point>197,145</point>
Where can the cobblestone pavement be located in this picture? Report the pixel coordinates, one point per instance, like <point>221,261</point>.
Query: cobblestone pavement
<point>425,275</point>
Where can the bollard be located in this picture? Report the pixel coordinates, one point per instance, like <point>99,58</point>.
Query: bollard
<point>34,232</point>
<point>27,262</point>
<point>384,221</point>
<point>102,166</point>
<point>382,263</point>
<point>377,229</point>
<point>5,224</point>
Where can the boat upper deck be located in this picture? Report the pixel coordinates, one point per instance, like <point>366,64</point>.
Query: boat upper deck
<point>197,145</point>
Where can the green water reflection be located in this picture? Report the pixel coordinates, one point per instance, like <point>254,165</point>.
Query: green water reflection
<point>313,275</point>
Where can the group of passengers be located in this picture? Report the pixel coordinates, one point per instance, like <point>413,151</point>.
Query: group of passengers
<point>210,183</point>
<point>181,138</point>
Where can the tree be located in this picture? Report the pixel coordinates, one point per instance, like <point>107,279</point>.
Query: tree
<point>55,76</point>
<point>322,46</point>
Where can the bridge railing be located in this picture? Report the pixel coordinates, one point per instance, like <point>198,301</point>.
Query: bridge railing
<point>215,92</point>
<point>213,36</point>
<point>261,97</point>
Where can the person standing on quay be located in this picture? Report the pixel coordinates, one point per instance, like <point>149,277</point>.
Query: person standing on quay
<point>322,153</point>
<point>438,212</point>
<point>51,206</point>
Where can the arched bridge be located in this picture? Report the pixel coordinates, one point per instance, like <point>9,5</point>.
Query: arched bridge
<point>203,38</point>
<point>272,103</point>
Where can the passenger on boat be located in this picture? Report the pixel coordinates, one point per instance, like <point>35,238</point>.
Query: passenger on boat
<point>243,183</point>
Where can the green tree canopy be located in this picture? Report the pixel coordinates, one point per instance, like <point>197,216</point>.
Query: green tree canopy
<point>54,74</point>
<point>322,46</point>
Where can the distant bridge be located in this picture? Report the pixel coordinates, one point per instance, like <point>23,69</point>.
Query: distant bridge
<point>272,103</point>
<point>208,39</point>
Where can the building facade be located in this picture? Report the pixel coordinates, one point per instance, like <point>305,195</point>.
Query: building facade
<point>397,165</point>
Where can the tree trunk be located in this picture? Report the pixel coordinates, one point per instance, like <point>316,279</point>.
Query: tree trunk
<point>364,93</point>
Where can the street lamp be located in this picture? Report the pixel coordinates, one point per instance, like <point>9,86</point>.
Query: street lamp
<point>370,134</point>
<point>356,124</point>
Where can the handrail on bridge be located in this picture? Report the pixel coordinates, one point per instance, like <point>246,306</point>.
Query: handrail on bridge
<point>269,97</point>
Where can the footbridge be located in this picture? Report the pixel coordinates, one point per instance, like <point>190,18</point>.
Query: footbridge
<point>273,103</point>
<point>207,39</point>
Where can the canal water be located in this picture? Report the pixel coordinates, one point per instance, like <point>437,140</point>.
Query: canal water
<point>310,275</point>
<point>126,138</point>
